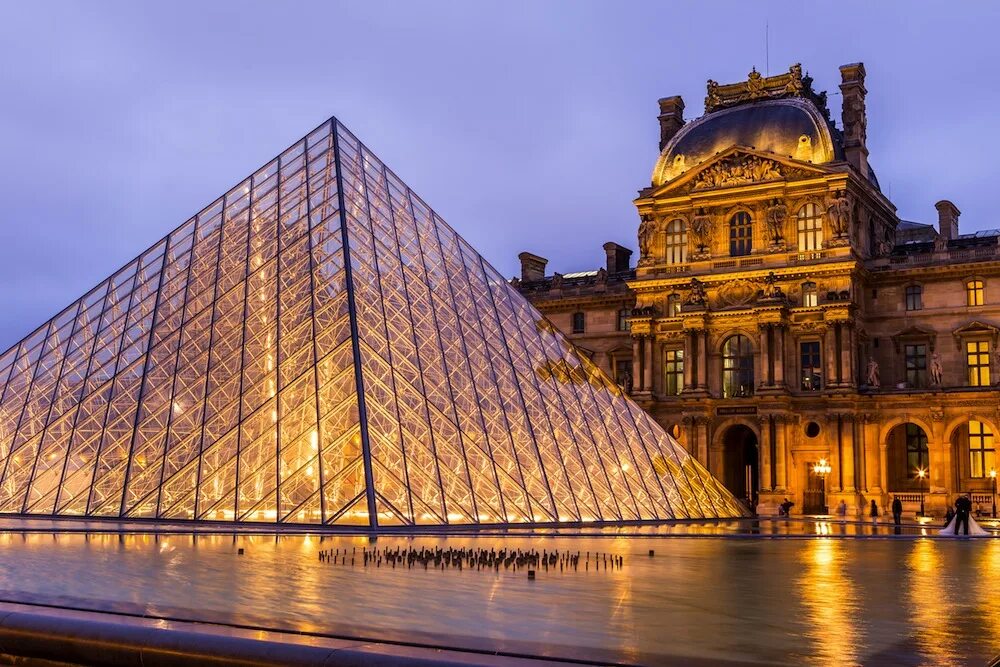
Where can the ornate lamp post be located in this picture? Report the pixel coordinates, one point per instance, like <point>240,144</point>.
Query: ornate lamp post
<point>822,468</point>
<point>993,476</point>
<point>921,474</point>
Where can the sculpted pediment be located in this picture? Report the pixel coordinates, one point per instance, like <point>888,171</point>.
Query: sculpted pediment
<point>740,292</point>
<point>738,167</point>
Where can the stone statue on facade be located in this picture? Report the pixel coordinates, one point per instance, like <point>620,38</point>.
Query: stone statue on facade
<point>771,288</point>
<point>557,281</point>
<point>701,228</point>
<point>872,376</point>
<point>646,231</point>
<point>712,99</point>
<point>775,217</point>
<point>937,370</point>
<point>838,213</point>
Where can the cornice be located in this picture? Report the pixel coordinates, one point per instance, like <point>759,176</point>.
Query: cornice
<point>680,280</point>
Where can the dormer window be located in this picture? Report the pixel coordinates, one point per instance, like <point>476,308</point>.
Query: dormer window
<point>673,305</point>
<point>677,240</point>
<point>740,234</point>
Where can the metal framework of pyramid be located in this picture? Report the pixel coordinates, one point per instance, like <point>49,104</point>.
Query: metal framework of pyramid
<point>319,347</point>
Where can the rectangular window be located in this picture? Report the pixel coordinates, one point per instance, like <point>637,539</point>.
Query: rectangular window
<point>812,370</point>
<point>674,368</point>
<point>982,456</point>
<point>623,324</point>
<point>578,323</point>
<point>975,291</point>
<point>916,364</point>
<point>977,358</point>
<point>914,297</point>
<point>673,305</point>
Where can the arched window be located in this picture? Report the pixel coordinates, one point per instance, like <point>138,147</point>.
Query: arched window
<point>578,323</point>
<point>677,242</point>
<point>975,291</point>
<point>673,305</point>
<point>917,456</point>
<point>737,367</point>
<point>810,297</point>
<point>810,227</point>
<point>914,297</point>
<point>740,234</point>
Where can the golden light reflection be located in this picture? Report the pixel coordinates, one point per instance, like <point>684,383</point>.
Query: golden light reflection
<point>930,605</point>
<point>831,603</point>
<point>988,594</point>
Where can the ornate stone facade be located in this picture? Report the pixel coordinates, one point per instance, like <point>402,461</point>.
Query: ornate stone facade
<point>781,313</point>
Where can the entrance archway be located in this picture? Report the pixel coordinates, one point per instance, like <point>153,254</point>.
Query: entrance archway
<point>741,462</point>
<point>907,456</point>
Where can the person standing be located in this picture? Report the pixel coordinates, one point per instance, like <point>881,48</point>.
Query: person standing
<point>842,511</point>
<point>897,510</point>
<point>873,513</point>
<point>963,507</point>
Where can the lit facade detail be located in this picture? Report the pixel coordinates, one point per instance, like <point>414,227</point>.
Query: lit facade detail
<point>318,347</point>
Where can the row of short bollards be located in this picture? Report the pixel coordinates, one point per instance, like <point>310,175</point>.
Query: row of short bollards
<point>474,559</point>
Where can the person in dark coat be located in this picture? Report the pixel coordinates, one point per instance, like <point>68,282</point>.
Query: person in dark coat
<point>963,507</point>
<point>873,512</point>
<point>897,510</point>
<point>948,516</point>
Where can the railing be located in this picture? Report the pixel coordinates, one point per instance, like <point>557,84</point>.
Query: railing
<point>907,497</point>
<point>981,498</point>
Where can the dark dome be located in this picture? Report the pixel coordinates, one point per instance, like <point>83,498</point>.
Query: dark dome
<point>790,127</point>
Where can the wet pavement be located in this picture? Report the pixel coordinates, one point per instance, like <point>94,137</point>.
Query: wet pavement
<point>896,600</point>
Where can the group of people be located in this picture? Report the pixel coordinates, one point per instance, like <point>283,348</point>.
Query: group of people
<point>959,518</point>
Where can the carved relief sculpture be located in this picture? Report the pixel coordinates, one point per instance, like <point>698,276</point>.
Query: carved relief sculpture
<point>771,288</point>
<point>755,85</point>
<point>697,297</point>
<point>738,170</point>
<point>838,214</point>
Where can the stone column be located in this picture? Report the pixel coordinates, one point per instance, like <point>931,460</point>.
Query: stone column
<point>847,452</point>
<point>636,364</point>
<point>702,340</point>
<point>781,454</point>
<point>647,363</point>
<point>779,355</point>
<point>766,483</point>
<point>883,466</point>
<point>829,357</point>
<point>689,355</point>
<point>766,370</point>
<point>847,365</point>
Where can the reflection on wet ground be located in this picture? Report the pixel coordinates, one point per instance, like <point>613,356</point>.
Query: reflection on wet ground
<point>825,601</point>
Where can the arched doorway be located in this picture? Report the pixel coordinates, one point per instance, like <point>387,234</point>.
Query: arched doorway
<point>907,455</point>
<point>740,462</point>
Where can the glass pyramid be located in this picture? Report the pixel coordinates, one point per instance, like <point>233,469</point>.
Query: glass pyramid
<point>318,347</point>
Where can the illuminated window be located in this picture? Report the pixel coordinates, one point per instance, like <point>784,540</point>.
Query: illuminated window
<point>977,358</point>
<point>812,371</point>
<point>917,456</point>
<point>975,291</point>
<point>981,452</point>
<point>810,297</point>
<point>673,305</point>
<point>740,234</point>
<point>674,369</point>
<point>810,227</point>
<point>914,297</point>
<point>578,323</point>
<point>677,240</point>
<point>737,367</point>
<point>623,324</point>
<point>916,364</point>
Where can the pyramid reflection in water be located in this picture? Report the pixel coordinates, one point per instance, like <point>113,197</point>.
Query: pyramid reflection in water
<point>317,346</point>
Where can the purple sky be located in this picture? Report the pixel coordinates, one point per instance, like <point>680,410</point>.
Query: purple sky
<point>526,125</point>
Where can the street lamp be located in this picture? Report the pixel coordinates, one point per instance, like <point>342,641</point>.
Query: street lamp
<point>921,473</point>
<point>993,476</point>
<point>822,469</point>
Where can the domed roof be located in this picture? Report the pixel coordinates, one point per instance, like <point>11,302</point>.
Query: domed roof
<point>791,127</point>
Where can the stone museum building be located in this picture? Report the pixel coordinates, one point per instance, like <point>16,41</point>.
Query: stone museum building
<point>782,322</point>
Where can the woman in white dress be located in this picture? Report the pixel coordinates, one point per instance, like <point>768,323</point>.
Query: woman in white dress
<point>974,529</point>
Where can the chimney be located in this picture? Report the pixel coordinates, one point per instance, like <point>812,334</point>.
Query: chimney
<point>618,256</point>
<point>853,113</point>
<point>532,267</point>
<point>947,219</point>
<point>671,118</point>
